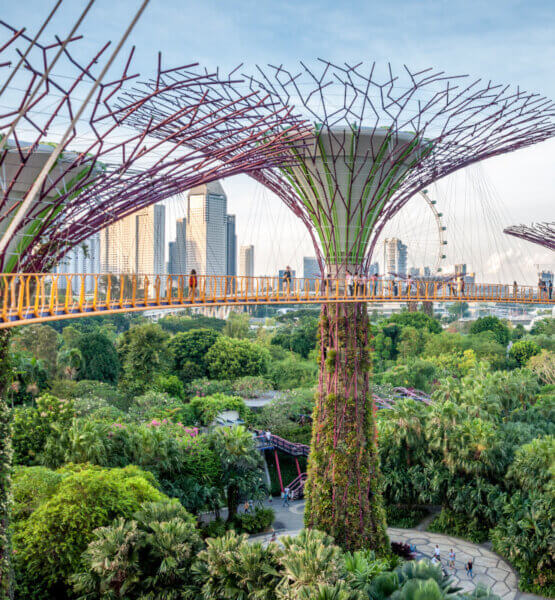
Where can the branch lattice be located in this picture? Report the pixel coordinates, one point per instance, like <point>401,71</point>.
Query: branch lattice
<point>109,169</point>
<point>537,233</point>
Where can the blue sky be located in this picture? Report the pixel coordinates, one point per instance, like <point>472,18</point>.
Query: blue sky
<point>508,41</point>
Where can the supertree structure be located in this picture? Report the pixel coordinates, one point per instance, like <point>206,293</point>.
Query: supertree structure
<point>537,233</point>
<point>374,143</point>
<point>107,169</point>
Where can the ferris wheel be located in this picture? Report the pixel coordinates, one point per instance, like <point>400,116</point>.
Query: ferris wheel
<point>420,228</point>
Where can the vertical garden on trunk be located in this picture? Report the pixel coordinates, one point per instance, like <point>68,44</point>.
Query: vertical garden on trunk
<point>343,492</point>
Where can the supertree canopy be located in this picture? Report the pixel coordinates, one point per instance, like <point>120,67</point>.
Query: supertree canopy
<point>374,142</point>
<point>108,169</point>
<point>537,233</point>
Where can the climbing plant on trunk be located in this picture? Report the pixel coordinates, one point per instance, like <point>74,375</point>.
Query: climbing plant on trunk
<point>343,490</point>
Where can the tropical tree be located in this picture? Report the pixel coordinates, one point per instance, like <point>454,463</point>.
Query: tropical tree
<point>99,358</point>
<point>188,350</point>
<point>523,350</point>
<point>240,463</point>
<point>500,330</point>
<point>149,556</point>
<point>543,365</point>
<point>230,359</point>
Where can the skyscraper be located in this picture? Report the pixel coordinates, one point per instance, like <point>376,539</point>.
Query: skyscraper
<point>136,243</point>
<point>231,246</point>
<point>206,228</point>
<point>177,263</point>
<point>395,257</point>
<point>246,261</point>
<point>311,270</point>
<point>83,258</point>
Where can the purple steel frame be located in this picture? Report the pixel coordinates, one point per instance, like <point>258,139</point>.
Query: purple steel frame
<point>119,169</point>
<point>537,233</point>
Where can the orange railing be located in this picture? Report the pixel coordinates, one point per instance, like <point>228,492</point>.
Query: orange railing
<point>39,297</point>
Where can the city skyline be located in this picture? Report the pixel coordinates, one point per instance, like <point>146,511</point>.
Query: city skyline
<point>466,39</point>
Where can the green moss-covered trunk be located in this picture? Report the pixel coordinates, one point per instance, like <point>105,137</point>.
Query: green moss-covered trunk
<point>343,492</point>
<point>5,466</point>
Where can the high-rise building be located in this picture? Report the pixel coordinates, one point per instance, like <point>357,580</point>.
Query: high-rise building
<point>136,243</point>
<point>207,226</point>
<point>374,268</point>
<point>177,263</point>
<point>246,261</point>
<point>231,246</point>
<point>311,270</point>
<point>395,257</point>
<point>420,272</point>
<point>83,258</point>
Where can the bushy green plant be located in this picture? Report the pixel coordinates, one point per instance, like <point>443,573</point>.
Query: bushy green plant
<point>293,372</point>
<point>230,568</point>
<point>231,358</point>
<point>523,350</point>
<point>149,556</point>
<point>254,522</point>
<point>31,487</point>
<point>459,525</point>
<point>206,409</point>
<point>49,543</point>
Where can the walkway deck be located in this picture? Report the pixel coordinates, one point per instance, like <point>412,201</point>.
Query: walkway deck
<point>33,298</point>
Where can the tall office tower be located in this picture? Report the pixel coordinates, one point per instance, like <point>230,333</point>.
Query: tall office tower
<point>136,243</point>
<point>83,258</point>
<point>177,263</point>
<point>311,270</point>
<point>246,261</point>
<point>374,268</point>
<point>395,257</point>
<point>231,246</point>
<point>460,269</point>
<point>207,230</point>
<point>420,272</point>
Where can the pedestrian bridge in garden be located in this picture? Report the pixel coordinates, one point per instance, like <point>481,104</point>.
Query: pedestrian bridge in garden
<point>38,297</point>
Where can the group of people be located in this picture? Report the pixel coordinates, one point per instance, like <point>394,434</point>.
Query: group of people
<point>436,560</point>
<point>545,288</point>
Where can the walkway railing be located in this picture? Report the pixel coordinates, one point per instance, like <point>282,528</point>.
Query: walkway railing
<point>45,296</point>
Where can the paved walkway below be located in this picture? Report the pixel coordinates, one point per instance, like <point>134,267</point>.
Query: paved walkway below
<point>489,568</point>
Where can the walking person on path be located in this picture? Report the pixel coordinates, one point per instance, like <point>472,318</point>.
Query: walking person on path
<point>468,569</point>
<point>550,288</point>
<point>452,558</point>
<point>349,282</point>
<point>437,553</point>
<point>286,497</point>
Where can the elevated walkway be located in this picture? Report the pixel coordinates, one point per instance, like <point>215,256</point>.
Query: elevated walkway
<point>38,297</point>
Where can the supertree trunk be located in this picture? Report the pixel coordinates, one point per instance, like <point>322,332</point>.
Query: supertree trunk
<point>5,467</point>
<point>343,488</point>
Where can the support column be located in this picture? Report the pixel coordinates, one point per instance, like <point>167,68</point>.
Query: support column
<point>5,467</point>
<point>278,470</point>
<point>342,491</point>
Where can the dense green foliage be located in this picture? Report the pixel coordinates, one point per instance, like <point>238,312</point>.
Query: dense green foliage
<point>49,541</point>
<point>104,416</point>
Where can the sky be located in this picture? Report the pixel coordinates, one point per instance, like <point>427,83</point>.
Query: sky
<point>507,41</point>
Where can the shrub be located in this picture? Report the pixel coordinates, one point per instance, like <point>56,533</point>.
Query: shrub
<point>100,360</point>
<point>293,373</point>
<point>65,388</point>
<point>189,352</point>
<point>254,522</point>
<point>208,387</point>
<point>208,408</point>
<point>147,557</point>
<point>499,329</point>
<point>250,387</point>
<point>460,525</point>
<point>31,487</point>
<point>523,350</point>
<point>406,517</point>
<point>231,358</point>
<point>48,545</point>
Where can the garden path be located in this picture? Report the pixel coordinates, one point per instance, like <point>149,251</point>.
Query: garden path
<point>489,568</point>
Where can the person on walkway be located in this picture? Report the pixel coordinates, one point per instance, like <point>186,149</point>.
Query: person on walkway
<point>437,553</point>
<point>268,436</point>
<point>452,558</point>
<point>515,289</point>
<point>550,288</point>
<point>287,280</point>
<point>286,497</point>
<point>193,283</point>
<point>468,569</point>
<point>349,283</point>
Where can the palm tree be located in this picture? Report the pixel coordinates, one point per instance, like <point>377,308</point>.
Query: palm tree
<point>241,465</point>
